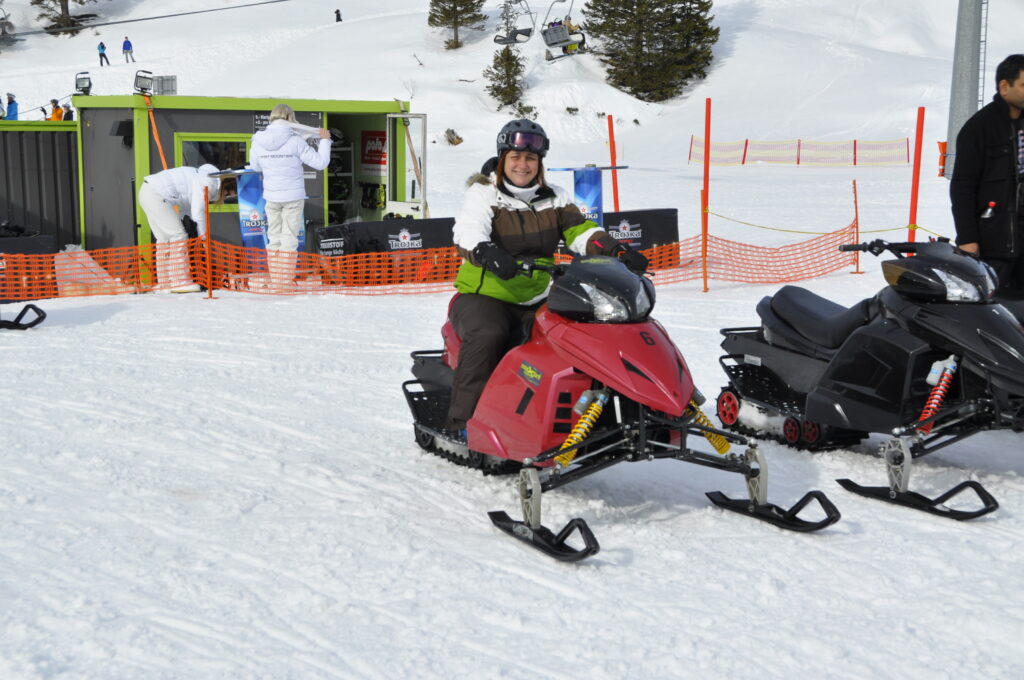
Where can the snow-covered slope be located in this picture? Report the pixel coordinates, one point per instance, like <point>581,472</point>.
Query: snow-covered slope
<point>230,489</point>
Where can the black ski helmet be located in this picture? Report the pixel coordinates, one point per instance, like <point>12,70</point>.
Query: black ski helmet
<point>523,134</point>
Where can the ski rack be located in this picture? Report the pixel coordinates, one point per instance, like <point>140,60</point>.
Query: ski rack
<point>19,325</point>
<point>632,443</point>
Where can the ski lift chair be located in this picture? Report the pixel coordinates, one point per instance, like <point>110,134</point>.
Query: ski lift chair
<point>518,35</point>
<point>557,34</point>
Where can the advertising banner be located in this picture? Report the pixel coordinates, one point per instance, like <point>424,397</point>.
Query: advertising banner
<point>373,155</point>
<point>588,190</point>
<point>252,211</point>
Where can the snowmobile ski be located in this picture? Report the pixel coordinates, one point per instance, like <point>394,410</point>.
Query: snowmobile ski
<point>898,454</point>
<point>549,543</point>
<point>934,506</point>
<point>19,324</point>
<point>773,514</point>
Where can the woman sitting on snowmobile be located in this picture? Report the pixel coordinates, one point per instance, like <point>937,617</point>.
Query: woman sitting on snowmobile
<point>510,212</point>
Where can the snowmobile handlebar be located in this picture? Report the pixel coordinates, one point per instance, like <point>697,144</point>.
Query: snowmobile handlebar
<point>878,246</point>
<point>528,265</point>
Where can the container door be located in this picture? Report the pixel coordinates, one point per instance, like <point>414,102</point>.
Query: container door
<point>406,169</point>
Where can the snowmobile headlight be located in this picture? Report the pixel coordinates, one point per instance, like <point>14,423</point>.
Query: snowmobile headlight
<point>643,302</point>
<point>606,307</point>
<point>958,290</point>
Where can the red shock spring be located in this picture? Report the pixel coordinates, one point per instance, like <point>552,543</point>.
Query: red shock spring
<point>936,397</point>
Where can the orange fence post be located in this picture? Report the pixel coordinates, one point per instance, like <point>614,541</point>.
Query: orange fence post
<point>704,238</point>
<point>704,192</point>
<point>915,184</point>
<point>942,159</point>
<point>615,173</point>
<point>856,230</point>
<point>209,245</point>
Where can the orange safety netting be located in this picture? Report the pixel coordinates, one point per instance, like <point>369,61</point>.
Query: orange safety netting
<point>803,152</point>
<point>165,267</point>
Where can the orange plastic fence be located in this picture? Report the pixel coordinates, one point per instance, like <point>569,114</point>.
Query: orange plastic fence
<point>803,152</point>
<point>160,268</point>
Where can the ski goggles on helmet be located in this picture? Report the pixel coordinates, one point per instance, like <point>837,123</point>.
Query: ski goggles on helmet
<point>527,141</point>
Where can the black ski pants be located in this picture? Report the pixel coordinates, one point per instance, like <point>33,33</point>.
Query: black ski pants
<point>488,328</point>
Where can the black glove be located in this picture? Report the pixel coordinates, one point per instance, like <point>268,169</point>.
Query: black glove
<point>634,260</point>
<point>490,255</point>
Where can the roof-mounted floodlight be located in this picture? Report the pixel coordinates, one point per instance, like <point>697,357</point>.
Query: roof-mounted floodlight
<point>83,83</point>
<point>144,82</point>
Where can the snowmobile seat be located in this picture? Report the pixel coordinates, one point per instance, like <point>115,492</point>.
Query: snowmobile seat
<point>453,343</point>
<point>819,320</point>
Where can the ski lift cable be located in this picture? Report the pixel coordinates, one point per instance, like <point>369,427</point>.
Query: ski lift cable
<point>163,16</point>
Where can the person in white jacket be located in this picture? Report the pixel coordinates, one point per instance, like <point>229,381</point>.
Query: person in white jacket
<point>159,195</point>
<point>279,152</point>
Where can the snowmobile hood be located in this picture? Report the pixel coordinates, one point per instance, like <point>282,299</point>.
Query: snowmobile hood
<point>638,360</point>
<point>986,336</point>
<point>274,137</point>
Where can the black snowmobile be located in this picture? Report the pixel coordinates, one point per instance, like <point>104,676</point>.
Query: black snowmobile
<point>931,359</point>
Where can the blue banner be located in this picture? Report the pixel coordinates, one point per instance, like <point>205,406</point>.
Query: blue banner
<point>252,212</point>
<point>588,188</point>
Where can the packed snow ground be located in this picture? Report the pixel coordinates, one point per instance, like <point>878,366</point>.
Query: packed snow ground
<point>230,488</point>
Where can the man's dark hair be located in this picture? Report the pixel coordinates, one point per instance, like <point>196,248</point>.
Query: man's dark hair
<point>1009,69</point>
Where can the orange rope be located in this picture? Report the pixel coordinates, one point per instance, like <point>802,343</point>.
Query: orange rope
<point>156,133</point>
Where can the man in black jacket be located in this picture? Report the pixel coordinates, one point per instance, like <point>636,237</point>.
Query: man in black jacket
<point>986,188</point>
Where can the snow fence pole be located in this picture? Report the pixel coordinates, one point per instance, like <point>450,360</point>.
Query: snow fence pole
<point>704,192</point>
<point>915,184</point>
<point>209,242</point>
<point>615,173</point>
<point>856,231</point>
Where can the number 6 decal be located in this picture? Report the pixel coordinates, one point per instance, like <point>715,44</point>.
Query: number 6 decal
<point>646,337</point>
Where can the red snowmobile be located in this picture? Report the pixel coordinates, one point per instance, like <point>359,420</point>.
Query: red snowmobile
<point>594,383</point>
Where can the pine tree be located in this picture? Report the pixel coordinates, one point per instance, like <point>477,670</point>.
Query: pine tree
<point>59,12</point>
<point>505,75</point>
<point>454,14</point>
<point>652,48</point>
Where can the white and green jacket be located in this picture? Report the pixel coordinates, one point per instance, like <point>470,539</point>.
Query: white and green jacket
<point>530,224</point>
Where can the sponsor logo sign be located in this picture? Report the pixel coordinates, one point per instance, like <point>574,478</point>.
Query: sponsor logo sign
<point>404,240</point>
<point>373,154</point>
<point>627,233</point>
<point>530,374</point>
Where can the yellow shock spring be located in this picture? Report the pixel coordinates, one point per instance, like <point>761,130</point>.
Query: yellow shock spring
<point>582,428</point>
<point>720,443</point>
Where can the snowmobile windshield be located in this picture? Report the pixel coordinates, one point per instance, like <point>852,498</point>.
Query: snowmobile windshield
<point>938,273</point>
<point>600,289</point>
